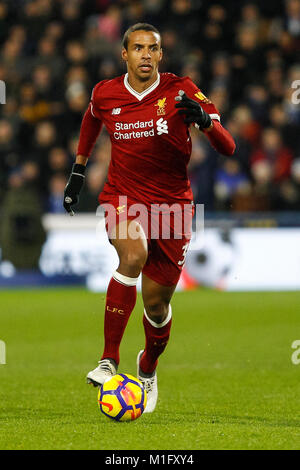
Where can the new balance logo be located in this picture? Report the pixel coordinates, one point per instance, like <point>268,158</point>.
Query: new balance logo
<point>162,126</point>
<point>116,111</point>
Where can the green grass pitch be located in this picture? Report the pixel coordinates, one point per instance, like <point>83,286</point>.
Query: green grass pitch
<point>226,380</point>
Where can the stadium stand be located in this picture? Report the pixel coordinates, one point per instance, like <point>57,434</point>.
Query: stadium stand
<point>243,55</point>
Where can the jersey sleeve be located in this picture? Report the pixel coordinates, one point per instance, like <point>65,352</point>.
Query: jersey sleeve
<point>91,123</point>
<point>193,92</point>
<point>97,94</point>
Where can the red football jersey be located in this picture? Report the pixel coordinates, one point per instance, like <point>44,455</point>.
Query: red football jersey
<point>151,145</point>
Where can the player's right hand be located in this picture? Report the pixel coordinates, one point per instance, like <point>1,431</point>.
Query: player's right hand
<point>192,111</point>
<point>73,187</point>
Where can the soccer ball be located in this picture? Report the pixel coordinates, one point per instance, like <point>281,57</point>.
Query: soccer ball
<point>122,398</point>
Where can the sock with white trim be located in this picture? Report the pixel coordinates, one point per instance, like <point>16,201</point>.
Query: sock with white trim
<point>120,301</point>
<point>157,337</point>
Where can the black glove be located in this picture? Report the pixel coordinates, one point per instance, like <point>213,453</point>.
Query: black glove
<point>192,110</point>
<point>73,187</point>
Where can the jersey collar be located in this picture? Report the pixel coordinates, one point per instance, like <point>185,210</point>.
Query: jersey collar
<point>144,93</point>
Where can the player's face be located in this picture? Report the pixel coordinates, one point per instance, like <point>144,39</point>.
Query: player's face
<point>143,54</point>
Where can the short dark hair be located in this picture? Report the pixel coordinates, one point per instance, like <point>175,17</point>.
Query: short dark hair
<point>137,27</point>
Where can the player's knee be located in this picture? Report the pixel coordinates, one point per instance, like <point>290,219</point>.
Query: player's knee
<point>157,311</point>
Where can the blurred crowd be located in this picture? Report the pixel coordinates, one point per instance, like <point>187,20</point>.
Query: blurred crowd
<point>244,55</point>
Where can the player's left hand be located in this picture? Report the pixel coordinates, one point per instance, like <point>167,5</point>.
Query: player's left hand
<point>192,110</point>
<point>73,187</point>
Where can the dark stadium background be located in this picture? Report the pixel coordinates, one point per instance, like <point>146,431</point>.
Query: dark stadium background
<point>243,55</point>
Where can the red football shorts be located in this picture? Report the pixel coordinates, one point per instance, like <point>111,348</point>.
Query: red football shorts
<point>167,229</point>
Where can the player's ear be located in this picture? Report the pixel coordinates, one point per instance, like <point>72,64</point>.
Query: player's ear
<point>124,54</point>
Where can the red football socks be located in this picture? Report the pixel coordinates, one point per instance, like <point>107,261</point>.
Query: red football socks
<point>120,301</point>
<point>157,337</point>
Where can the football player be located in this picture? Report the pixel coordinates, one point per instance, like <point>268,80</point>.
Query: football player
<point>147,115</point>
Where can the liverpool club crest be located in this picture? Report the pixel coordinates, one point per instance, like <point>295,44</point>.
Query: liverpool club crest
<point>161,104</point>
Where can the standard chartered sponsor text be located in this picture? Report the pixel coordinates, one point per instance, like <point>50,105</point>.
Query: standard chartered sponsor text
<point>124,126</point>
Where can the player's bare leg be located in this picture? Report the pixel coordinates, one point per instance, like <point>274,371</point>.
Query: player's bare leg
<point>156,298</point>
<point>157,322</point>
<point>132,253</point>
<point>121,295</point>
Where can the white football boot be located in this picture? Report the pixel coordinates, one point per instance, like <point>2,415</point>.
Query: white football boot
<point>107,368</point>
<point>149,384</point>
